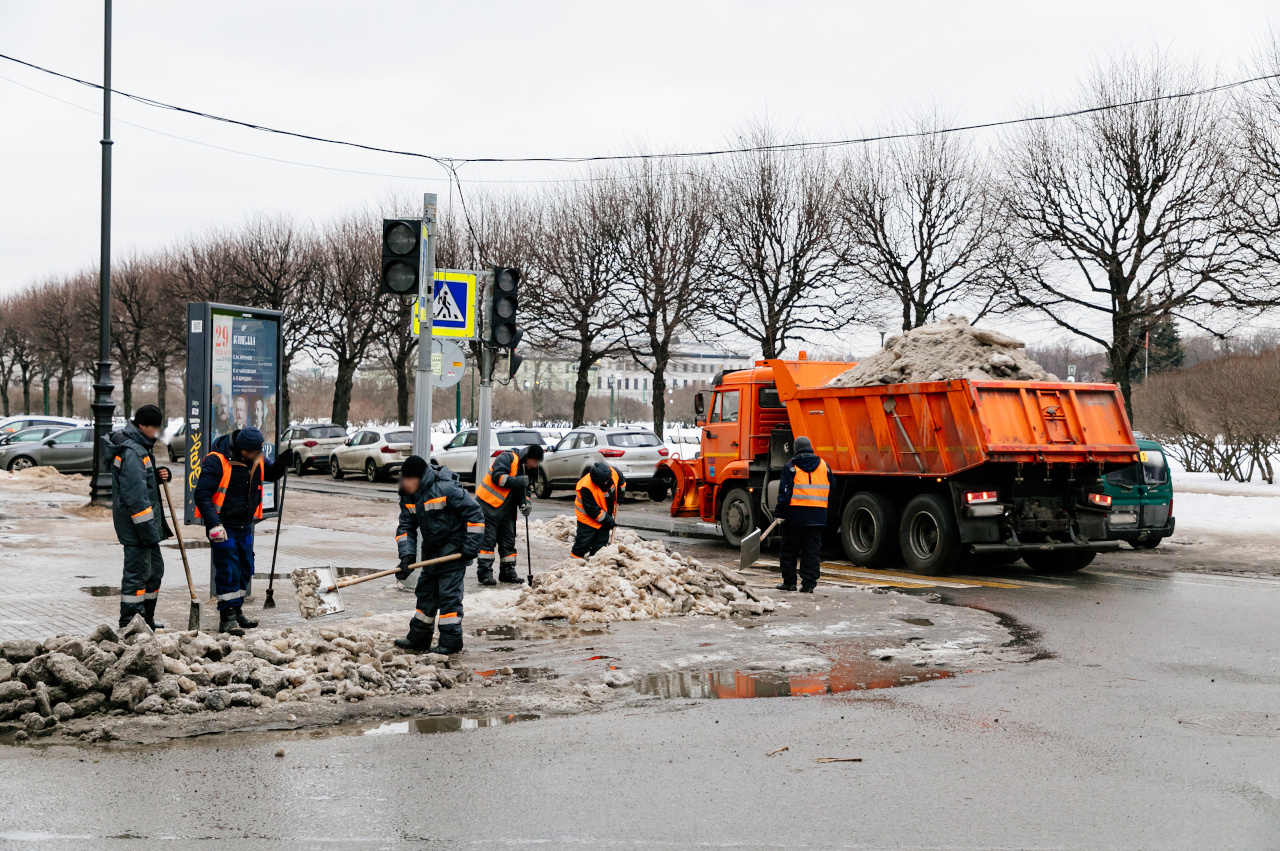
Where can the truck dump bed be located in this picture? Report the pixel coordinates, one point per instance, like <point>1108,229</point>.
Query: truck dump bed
<point>944,427</point>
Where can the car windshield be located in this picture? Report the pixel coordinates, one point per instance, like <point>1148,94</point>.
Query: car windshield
<point>1154,469</point>
<point>635,438</point>
<point>28,436</point>
<point>326,432</point>
<point>400,437</point>
<point>1125,477</point>
<point>519,438</point>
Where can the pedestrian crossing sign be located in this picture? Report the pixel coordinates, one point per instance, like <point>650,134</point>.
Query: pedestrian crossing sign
<point>455,306</point>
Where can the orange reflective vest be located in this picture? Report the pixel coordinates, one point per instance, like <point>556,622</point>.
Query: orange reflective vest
<point>490,491</point>
<point>599,495</point>
<point>220,495</point>
<point>810,489</point>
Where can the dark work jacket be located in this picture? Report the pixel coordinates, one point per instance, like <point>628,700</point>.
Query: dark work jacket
<point>136,506</point>
<point>611,496</point>
<point>243,495</point>
<point>799,515</point>
<point>448,517</point>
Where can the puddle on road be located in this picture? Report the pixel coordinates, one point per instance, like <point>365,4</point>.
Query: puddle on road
<point>355,571</point>
<point>445,724</point>
<point>524,675</point>
<point>101,590</point>
<point>538,632</point>
<point>851,670</point>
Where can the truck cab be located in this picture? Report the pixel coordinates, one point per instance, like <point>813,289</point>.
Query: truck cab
<point>1141,499</point>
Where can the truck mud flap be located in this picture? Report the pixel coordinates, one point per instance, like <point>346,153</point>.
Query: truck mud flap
<point>1092,546</point>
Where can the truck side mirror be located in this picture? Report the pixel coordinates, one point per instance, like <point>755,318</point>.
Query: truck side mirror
<point>700,407</point>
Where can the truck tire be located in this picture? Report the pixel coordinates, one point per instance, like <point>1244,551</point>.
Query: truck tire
<point>869,530</point>
<point>1061,562</point>
<point>1147,544</point>
<point>928,536</point>
<point>737,517</point>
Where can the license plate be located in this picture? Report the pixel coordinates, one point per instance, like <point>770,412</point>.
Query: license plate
<point>1123,519</point>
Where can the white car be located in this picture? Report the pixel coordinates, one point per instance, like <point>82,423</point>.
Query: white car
<point>684,444</point>
<point>10,425</point>
<point>459,454</point>
<point>634,451</point>
<point>375,452</point>
<point>312,445</point>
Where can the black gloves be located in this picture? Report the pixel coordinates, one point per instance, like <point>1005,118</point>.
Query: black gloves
<point>286,457</point>
<point>608,522</point>
<point>526,508</point>
<point>405,570</point>
<point>162,474</point>
<point>521,482</point>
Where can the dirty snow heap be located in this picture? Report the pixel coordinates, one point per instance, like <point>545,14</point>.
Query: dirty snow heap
<point>634,579</point>
<point>942,351</point>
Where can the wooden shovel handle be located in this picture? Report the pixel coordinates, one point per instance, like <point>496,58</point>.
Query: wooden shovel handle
<point>177,530</point>
<point>381,573</point>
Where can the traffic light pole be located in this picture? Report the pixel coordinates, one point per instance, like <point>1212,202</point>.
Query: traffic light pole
<point>103,405</point>
<point>484,439</point>
<point>426,314</point>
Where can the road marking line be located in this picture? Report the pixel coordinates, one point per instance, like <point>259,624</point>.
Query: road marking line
<point>897,580</point>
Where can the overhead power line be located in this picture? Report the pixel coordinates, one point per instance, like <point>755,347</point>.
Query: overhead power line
<point>450,161</point>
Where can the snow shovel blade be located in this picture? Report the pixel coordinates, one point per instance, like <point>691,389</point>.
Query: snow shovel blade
<point>330,601</point>
<point>193,619</point>
<point>750,550</point>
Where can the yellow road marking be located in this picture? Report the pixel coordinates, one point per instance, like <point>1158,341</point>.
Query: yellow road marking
<point>907,580</point>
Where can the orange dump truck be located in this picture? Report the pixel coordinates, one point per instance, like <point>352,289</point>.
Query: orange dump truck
<point>931,474</point>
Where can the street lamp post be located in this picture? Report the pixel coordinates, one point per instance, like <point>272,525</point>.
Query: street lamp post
<point>103,405</point>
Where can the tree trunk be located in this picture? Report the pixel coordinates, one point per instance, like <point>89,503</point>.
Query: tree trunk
<point>581,389</point>
<point>402,391</point>
<point>26,394</point>
<point>342,392</point>
<point>62,391</point>
<point>126,384</point>
<point>44,381</point>
<point>4,395</point>
<point>660,396</point>
<point>162,380</point>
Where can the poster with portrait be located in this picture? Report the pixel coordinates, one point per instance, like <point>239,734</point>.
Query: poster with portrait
<point>233,381</point>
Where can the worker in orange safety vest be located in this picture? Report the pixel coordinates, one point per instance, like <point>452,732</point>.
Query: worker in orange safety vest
<point>802,507</point>
<point>596,507</point>
<point>504,490</point>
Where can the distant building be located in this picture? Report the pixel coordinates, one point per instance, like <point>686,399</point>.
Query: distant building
<point>688,368</point>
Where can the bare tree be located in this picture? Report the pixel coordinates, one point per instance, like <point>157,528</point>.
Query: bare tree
<point>575,261</point>
<point>921,225</point>
<point>777,274</point>
<point>1256,208</point>
<point>1118,214</point>
<point>59,324</point>
<point>666,241</point>
<point>135,320</point>
<point>344,302</point>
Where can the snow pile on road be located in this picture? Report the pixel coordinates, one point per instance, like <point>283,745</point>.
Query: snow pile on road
<point>306,585</point>
<point>138,671</point>
<point>634,579</point>
<point>37,473</point>
<point>942,351</point>
<point>562,527</point>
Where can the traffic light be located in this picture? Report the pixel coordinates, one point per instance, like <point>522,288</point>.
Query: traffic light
<point>514,360</point>
<point>503,301</point>
<point>401,256</point>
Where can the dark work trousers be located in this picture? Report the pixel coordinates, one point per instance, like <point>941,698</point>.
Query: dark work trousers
<point>806,543</point>
<point>140,584</point>
<point>589,541</point>
<point>233,567</point>
<point>500,532</point>
<point>440,604</point>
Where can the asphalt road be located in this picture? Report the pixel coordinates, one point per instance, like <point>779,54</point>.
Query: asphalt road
<point>1153,723</point>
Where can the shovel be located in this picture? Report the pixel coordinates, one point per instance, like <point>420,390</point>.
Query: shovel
<point>331,600</point>
<point>193,619</point>
<point>751,545</point>
<point>528,549</point>
<point>270,602</point>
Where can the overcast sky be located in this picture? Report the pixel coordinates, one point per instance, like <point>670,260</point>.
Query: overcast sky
<point>498,79</point>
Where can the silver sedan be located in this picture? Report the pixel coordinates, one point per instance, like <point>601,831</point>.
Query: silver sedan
<point>67,451</point>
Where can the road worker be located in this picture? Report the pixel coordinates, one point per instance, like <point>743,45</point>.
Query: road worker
<point>431,500</point>
<point>596,506</point>
<point>138,513</point>
<point>228,499</point>
<point>802,505</point>
<point>504,490</point>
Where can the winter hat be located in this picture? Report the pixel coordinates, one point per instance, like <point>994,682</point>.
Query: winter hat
<point>248,440</point>
<point>534,451</point>
<point>803,444</point>
<point>413,467</point>
<point>601,475</point>
<point>147,415</point>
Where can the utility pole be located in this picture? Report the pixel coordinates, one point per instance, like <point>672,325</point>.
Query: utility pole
<point>483,442</point>
<point>426,317</point>
<point>103,405</point>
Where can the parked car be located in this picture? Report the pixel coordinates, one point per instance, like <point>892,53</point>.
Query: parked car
<point>9,425</point>
<point>376,452</point>
<point>69,450</point>
<point>20,442</point>
<point>686,444</point>
<point>459,454</point>
<point>634,451</point>
<point>312,445</point>
<point>177,444</point>
<point>1141,499</point>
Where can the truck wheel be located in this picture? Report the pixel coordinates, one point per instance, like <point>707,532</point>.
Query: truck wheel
<point>1148,544</point>
<point>1061,562</point>
<point>868,530</point>
<point>737,516</point>
<point>928,536</point>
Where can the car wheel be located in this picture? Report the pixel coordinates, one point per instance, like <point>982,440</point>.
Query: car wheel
<point>299,466</point>
<point>173,456</point>
<point>371,471</point>
<point>658,491</point>
<point>542,487</point>
<point>1148,544</point>
<point>22,462</point>
<point>737,516</point>
<point>928,536</point>
<point>869,530</point>
<point>334,469</point>
<point>1059,562</point>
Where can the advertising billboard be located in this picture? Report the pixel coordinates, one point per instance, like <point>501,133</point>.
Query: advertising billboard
<point>233,381</point>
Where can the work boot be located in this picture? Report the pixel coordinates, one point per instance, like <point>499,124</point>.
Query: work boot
<point>227,623</point>
<point>446,651</point>
<point>806,589</point>
<point>786,586</point>
<point>485,575</point>
<point>507,573</point>
<point>149,614</point>
<point>155,624</point>
<point>246,622</point>
<point>418,639</point>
